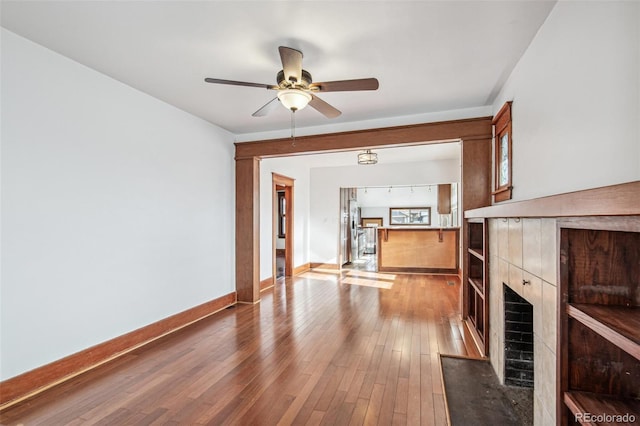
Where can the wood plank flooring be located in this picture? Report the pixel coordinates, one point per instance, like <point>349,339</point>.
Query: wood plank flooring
<point>325,347</point>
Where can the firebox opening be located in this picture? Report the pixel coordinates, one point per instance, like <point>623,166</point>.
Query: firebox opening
<point>518,340</point>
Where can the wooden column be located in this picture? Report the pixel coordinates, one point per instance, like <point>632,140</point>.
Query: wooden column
<point>247,229</point>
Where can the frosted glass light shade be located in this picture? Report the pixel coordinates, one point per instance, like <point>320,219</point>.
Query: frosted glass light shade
<point>367,157</point>
<point>294,99</point>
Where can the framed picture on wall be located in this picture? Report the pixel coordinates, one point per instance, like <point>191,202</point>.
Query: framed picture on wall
<point>502,147</point>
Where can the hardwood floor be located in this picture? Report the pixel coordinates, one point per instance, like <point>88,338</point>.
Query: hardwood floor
<point>321,348</point>
<point>366,262</point>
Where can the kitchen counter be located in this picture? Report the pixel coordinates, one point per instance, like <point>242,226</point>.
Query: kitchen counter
<point>418,249</point>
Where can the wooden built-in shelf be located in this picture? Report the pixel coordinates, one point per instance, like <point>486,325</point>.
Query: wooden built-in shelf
<point>619,325</point>
<point>599,319</point>
<point>477,284</point>
<point>477,252</point>
<point>476,288</point>
<point>581,403</point>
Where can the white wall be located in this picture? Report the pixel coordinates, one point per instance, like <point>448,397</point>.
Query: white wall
<point>117,209</point>
<point>295,168</point>
<point>325,195</point>
<point>576,101</point>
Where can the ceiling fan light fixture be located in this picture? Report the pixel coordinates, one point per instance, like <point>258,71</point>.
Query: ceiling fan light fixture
<point>367,157</point>
<point>294,99</point>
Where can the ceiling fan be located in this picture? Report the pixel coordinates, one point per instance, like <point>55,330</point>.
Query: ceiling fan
<point>296,89</point>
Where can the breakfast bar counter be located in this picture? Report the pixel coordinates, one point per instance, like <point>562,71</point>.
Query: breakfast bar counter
<point>418,249</point>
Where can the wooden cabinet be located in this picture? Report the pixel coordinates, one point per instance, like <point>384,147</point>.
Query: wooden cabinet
<point>599,320</point>
<point>476,283</point>
<point>444,198</point>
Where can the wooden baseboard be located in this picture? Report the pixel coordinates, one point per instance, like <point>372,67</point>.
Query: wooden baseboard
<point>269,282</point>
<point>301,269</point>
<point>35,381</point>
<point>409,270</point>
<point>325,265</point>
<point>266,283</point>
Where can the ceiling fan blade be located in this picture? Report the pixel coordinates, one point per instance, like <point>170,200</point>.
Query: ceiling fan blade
<point>323,107</point>
<point>291,63</point>
<point>266,108</point>
<point>346,85</point>
<point>239,83</point>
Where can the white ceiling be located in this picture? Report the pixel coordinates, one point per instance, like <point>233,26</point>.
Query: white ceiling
<point>429,56</point>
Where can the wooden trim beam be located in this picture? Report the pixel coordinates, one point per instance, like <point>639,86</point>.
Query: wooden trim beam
<point>42,378</point>
<point>614,200</point>
<point>468,129</point>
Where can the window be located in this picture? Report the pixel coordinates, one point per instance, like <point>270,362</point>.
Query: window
<point>502,149</point>
<point>410,216</point>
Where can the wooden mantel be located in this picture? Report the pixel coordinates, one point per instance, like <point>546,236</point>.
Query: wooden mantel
<point>614,200</point>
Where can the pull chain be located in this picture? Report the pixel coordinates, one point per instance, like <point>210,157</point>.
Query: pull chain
<point>293,127</point>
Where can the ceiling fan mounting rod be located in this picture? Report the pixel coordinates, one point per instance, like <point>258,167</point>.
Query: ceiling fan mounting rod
<point>293,83</point>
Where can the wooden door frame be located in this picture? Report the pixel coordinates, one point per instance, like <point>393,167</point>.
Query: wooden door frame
<point>288,184</point>
<point>473,133</point>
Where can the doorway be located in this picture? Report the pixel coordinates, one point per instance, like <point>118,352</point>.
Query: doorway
<point>282,240</point>
<point>474,134</point>
<point>357,240</point>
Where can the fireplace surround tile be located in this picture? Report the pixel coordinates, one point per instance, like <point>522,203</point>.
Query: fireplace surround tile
<point>532,293</point>
<point>515,242</point>
<point>503,238</point>
<point>492,227</point>
<point>549,314</point>
<point>496,304</point>
<point>549,253</point>
<point>503,271</point>
<point>515,279</point>
<point>531,246</point>
<point>544,374</point>
<point>541,293</point>
<point>540,414</point>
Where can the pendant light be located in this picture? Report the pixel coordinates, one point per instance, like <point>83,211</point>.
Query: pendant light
<point>367,157</point>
